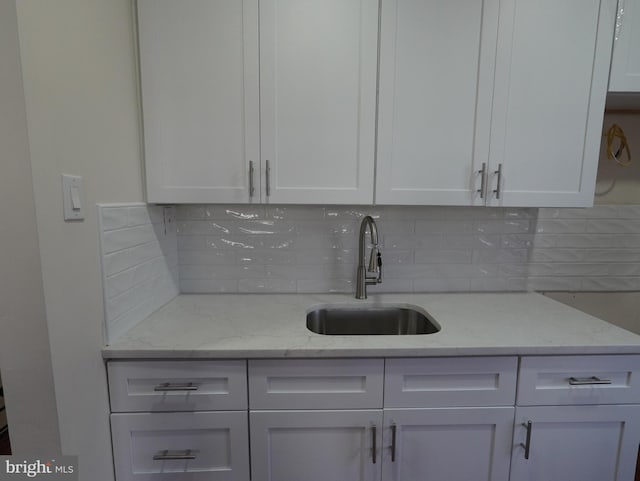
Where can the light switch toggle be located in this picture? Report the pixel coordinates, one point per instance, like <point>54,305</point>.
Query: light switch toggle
<point>72,197</point>
<point>75,198</point>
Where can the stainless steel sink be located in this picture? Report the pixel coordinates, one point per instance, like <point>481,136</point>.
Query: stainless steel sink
<point>370,321</point>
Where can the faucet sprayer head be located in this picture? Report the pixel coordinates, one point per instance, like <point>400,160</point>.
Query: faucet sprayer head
<point>373,260</point>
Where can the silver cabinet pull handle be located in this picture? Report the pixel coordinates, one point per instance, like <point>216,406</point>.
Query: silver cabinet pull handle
<point>251,186</point>
<point>268,178</point>
<point>527,443</point>
<point>498,186</point>
<point>584,381</point>
<point>167,455</point>
<point>374,432</point>
<point>393,443</point>
<point>483,179</point>
<point>167,386</point>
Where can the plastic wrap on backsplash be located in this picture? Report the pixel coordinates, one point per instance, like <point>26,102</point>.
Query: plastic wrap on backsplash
<point>619,18</point>
<point>269,248</point>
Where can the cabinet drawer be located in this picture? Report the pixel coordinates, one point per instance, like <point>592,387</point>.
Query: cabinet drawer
<point>579,380</point>
<point>212,446</point>
<point>316,383</point>
<point>177,385</point>
<point>449,382</point>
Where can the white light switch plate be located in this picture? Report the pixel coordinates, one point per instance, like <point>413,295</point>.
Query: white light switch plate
<point>73,197</point>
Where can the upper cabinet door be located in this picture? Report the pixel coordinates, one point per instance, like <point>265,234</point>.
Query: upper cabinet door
<point>550,89</point>
<point>199,75</point>
<point>625,66</point>
<point>318,64</point>
<point>436,82</point>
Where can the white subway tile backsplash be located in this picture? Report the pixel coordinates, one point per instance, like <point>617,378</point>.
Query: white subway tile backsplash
<point>494,284</point>
<point>558,255</point>
<point>190,212</point>
<point>520,213</point>
<point>115,240</point>
<point>611,284</point>
<point>507,226</point>
<point>625,269</point>
<point>554,283</point>
<point>411,241</point>
<point>517,241</point>
<point>483,241</point>
<point>611,255</point>
<point>320,256</point>
<point>325,227</point>
<point>207,258</point>
<point>611,241</point>
<point>280,249</point>
<point>266,285</point>
<point>310,286</point>
<point>295,212</point>
<point>443,256</point>
<point>441,285</point>
<point>564,213</point>
<point>560,226</point>
<point>240,212</point>
<point>208,286</point>
<point>222,272</point>
<point>613,226</point>
<point>500,256</point>
<point>442,227</point>
<point>253,248</point>
<point>139,263</point>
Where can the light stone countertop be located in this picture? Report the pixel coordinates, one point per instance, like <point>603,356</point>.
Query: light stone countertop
<point>274,325</point>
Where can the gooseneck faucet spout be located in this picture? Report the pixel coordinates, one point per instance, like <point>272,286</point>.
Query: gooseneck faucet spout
<point>375,261</point>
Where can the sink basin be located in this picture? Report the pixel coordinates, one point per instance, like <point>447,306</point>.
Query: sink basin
<point>370,321</point>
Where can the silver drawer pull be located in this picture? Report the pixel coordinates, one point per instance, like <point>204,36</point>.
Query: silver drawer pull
<point>167,455</point>
<point>483,179</point>
<point>251,187</point>
<point>374,437</point>
<point>499,185</point>
<point>585,381</point>
<point>167,386</point>
<point>527,444</point>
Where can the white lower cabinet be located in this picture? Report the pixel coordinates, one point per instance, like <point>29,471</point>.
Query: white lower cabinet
<point>193,446</point>
<point>179,420</point>
<point>577,418</point>
<point>437,419</point>
<point>586,443</point>
<point>302,441</point>
<point>442,444</point>
<point>394,445</point>
<point>316,445</point>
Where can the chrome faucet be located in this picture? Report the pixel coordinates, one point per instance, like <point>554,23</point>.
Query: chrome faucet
<point>375,260</point>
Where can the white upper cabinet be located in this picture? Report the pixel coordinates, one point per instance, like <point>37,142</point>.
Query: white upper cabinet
<point>205,87</point>
<point>318,64</point>
<point>550,89</point>
<point>494,102</point>
<point>436,82</point>
<point>625,65</point>
<point>199,79</point>
<point>474,111</point>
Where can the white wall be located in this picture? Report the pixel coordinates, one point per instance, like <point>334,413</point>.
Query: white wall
<point>24,341</point>
<point>81,102</point>
<point>616,184</point>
